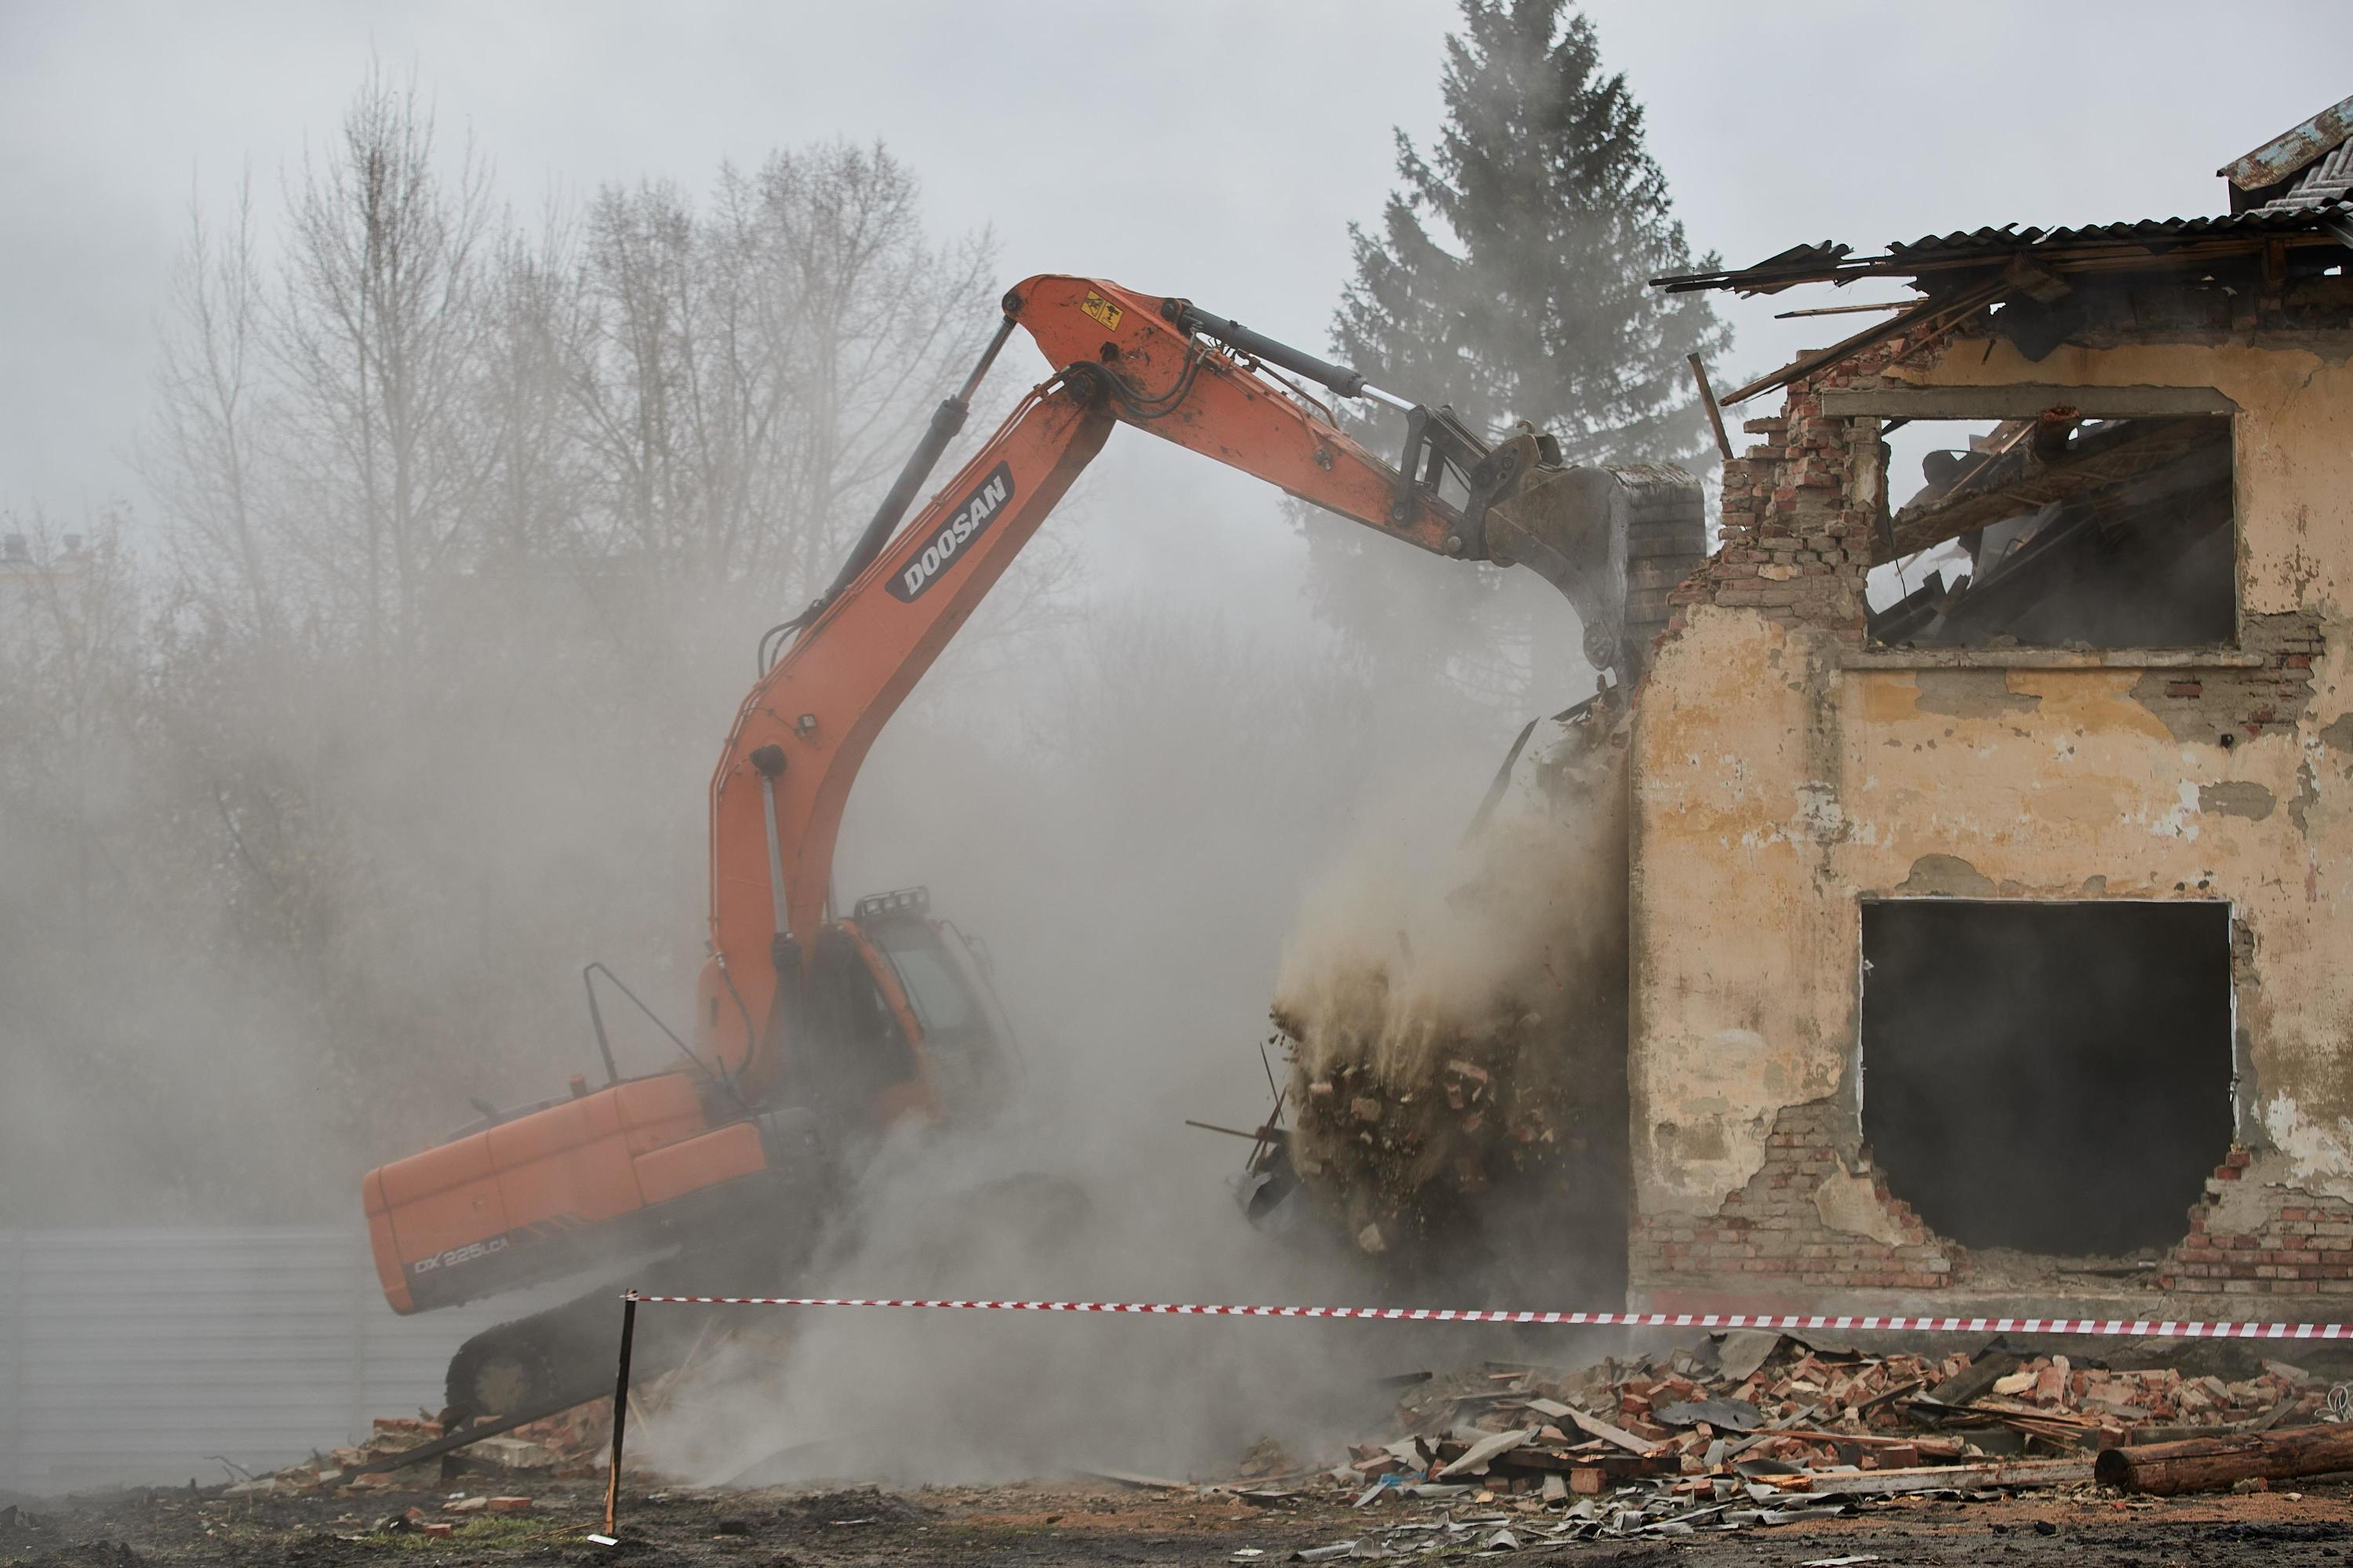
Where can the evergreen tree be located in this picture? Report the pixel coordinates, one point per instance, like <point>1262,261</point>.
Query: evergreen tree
<point>1509,279</point>
<point>1540,306</point>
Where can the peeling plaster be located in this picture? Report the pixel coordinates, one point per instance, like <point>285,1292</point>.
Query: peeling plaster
<point>2241,1207</point>
<point>1819,814</point>
<point>1972,694</point>
<point>1945,876</point>
<point>2306,795</point>
<point>2178,822</point>
<point>1728,1087</point>
<point>2320,1156</point>
<point>2237,797</point>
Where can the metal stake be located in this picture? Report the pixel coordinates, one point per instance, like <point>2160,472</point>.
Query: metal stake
<point>620,1413</point>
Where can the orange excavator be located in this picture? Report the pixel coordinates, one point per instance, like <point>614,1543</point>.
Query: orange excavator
<point>813,1034</point>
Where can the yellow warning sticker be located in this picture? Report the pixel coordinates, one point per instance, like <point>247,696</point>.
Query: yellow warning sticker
<point>1103,310</point>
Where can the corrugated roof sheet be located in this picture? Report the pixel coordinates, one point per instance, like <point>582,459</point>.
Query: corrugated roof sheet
<point>2142,231</point>
<point>2329,180</point>
<point>1826,262</point>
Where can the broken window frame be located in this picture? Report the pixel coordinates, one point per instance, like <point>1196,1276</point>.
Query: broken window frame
<point>2029,401</point>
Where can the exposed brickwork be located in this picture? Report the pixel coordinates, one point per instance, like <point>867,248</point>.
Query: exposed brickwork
<point>2208,705</point>
<point>1772,1232</point>
<point>1802,507</point>
<point>2302,1243</point>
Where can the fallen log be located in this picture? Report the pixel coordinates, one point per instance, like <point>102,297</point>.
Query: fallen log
<point>2212,1463</point>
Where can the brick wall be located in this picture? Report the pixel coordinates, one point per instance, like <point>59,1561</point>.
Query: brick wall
<point>1801,509</point>
<point>2251,1236</point>
<point>1771,1232</point>
<point>2257,1237</point>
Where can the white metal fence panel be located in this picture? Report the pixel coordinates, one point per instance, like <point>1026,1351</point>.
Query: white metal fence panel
<point>148,1356</point>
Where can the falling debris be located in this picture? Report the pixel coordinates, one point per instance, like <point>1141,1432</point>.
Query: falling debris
<point>1457,1072</point>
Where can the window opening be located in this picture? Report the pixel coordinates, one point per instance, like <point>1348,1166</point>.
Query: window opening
<point>2053,1079</point>
<point>2058,531</point>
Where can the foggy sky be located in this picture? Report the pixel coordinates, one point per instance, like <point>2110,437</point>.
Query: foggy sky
<point>1217,149</point>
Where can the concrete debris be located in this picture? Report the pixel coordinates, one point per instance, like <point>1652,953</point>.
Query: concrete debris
<point>509,1453</point>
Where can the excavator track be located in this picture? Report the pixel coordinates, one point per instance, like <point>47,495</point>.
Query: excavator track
<point>565,1354</point>
<point>551,1360</point>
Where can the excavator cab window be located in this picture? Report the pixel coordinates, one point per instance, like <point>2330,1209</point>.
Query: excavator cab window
<point>854,1047</point>
<point>960,1040</point>
<point>934,988</point>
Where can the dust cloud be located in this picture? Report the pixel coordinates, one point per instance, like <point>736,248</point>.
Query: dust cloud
<point>1139,811</point>
<point>317,789</point>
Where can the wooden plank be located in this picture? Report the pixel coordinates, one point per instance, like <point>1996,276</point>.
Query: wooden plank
<point>1934,313</point>
<point>1707,401</point>
<point>2024,400</point>
<point>1937,1478</point>
<point>2051,659</point>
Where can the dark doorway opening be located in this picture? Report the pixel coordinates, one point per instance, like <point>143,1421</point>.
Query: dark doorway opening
<point>2050,1077</point>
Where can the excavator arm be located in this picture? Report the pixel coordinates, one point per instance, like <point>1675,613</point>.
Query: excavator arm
<point>1160,364</point>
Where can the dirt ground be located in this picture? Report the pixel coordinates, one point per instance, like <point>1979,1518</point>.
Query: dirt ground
<point>1099,1522</point>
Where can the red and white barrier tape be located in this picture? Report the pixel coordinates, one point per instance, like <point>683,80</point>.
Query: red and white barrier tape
<point>2105,1328</point>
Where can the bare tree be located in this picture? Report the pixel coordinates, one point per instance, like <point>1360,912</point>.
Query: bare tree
<point>70,625</point>
<point>874,318</point>
<point>661,384</point>
<point>204,457</point>
<point>759,367</point>
<point>537,329</point>
<point>383,320</point>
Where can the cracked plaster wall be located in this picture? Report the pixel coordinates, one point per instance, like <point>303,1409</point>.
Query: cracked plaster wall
<point>1774,789</point>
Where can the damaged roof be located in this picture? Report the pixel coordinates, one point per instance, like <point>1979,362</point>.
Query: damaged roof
<point>2295,193</point>
<point>2325,221</point>
<point>2282,170</point>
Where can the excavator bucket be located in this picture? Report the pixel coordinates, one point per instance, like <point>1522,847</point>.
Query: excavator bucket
<point>1613,540</point>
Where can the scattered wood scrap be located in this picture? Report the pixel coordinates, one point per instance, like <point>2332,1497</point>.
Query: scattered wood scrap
<point>1758,1429</point>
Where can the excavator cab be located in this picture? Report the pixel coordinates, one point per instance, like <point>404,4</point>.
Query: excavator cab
<point>909,995</point>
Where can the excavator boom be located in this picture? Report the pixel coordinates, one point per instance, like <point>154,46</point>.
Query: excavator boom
<point>782,783</point>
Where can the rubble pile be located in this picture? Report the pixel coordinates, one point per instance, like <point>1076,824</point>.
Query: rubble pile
<point>1754,1427</point>
<point>565,1446</point>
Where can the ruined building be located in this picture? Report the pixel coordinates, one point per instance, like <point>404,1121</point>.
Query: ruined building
<point>1992,793</point>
